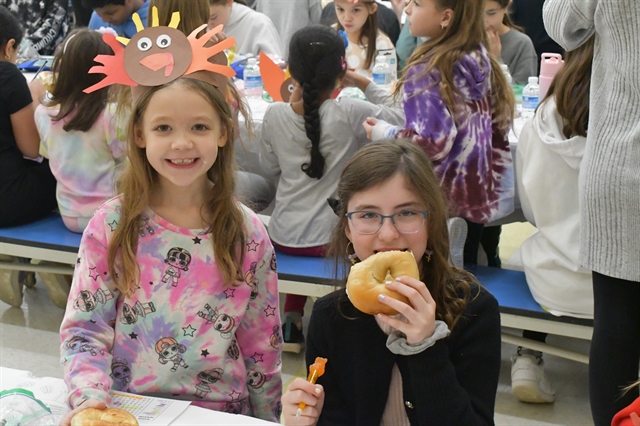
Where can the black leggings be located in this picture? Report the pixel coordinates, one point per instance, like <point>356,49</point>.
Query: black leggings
<point>615,347</point>
<point>472,244</point>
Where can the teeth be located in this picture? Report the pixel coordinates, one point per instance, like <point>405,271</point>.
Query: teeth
<point>182,162</point>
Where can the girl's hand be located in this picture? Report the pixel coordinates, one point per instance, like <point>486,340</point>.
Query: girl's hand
<point>635,419</point>
<point>420,314</point>
<point>368,125</point>
<point>495,47</point>
<point>89,403</point>
<point>302,391</point>
<point>353,79</point>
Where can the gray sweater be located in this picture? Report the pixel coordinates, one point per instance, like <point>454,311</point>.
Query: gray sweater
<point>519,55</point>
<point>610,177</point>
<point>301,216</point>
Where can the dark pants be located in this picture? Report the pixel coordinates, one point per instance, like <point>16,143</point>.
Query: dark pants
<point>30,197</point>
<point>490,240</point>
<point>472,244</point>
<point>615,347</point>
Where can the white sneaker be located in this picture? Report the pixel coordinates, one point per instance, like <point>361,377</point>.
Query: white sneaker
<point>457,237</point>
<point>528,381</point>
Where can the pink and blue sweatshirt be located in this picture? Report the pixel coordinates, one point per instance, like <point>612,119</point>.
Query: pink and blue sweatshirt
<point>470,154</point>
<point>183,334</point>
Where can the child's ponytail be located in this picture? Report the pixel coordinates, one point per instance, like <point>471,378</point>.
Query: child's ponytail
<point>316,61</point>
<point>310,94</point>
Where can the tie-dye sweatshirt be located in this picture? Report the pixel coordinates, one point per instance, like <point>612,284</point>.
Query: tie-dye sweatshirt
<point>84,163</point>
<point>183,334</point>
<point>470,153</point>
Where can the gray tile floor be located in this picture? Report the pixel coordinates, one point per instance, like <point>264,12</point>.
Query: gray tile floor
<point>29,341</point>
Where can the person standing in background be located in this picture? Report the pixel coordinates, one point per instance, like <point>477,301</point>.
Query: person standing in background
<point>289,16</point>
<point>528,15</point>
<point>608,189</point>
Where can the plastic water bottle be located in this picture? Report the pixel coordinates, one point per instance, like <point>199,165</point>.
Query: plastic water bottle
<point>393,62</point>
<point>382,71</point>
<point>549,66</point>
<point>530,97</point>
<point>252,79</point>
<point>507,74</point>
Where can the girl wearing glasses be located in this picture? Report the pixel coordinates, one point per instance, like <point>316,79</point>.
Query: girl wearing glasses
<point>438,361</point>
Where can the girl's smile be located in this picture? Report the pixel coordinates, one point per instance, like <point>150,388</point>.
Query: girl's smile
<point>181,133</point>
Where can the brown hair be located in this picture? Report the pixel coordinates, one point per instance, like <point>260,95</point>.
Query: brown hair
<point>193,13</point>
<point>506,20</point>
<point>464,34</point>
<point>139,179</point>
<point>375,164</point>
<point>71,67</point>
<point>369,31</point>
<point>571,86</point>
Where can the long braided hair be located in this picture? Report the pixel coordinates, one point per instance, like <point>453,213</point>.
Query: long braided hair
<point>316,60</point>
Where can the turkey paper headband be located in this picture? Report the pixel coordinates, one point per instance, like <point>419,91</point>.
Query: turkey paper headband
<point>159,55</point>
<point>277,83</point>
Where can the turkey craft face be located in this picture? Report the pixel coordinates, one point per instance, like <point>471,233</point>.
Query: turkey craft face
<point>158,55</point>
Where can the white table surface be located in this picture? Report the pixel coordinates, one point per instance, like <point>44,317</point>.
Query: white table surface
<point>192,416</point>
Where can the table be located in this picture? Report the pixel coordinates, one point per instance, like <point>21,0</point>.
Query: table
<point>192,416</point>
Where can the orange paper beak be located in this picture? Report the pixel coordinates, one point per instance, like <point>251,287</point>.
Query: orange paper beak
<point>159,60</point>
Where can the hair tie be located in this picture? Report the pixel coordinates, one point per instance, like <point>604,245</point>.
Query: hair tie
<point>342,61</point>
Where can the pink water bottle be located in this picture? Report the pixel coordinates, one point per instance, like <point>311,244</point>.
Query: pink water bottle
<point>549,67</point>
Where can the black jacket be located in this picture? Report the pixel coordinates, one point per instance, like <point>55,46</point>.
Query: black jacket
<point>454,382</point>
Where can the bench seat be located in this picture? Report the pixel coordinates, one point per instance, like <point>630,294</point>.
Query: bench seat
<point>49,240</point>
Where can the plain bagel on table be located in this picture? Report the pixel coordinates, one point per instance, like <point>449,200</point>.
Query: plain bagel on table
<point>106,417</point>
<point>367,280</point>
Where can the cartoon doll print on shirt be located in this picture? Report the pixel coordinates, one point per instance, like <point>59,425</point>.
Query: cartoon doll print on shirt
<point>275,340</point>
<point>256,381</point>
<point>169,349</point>
<point>144,226</point>
<point>130,314</point>
<point>221,322</point>
<point>251,280</point>
<point>235,407</point>
<point>178,260</point>
<point>121,373</point>
<point>234,351</point>
<point>79,343</point>
<point>206,378</point>
<point>87,302</point>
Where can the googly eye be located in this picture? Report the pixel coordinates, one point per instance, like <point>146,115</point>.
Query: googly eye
<point>163,41</point>
<point>145,44</point>
<point>290,87</point>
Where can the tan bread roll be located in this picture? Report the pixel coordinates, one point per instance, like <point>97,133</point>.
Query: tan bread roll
<point>106,417</point>
<point>47,80</point>
<point>366,280</point>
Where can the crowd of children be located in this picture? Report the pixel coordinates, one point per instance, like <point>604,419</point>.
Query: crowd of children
<point>174,271</point>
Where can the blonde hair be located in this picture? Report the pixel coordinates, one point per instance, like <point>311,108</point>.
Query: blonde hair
<point>374,165</point>
<point>139,179</point>
<point>193,13</point>
<point>464,34</point>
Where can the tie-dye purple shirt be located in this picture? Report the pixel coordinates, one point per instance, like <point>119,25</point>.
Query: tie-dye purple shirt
<point>182,334</point>
<point>470,153</point>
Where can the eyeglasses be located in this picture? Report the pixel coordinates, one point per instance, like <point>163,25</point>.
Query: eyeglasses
<point>405,221</point>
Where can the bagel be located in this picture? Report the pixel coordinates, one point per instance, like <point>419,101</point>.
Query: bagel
<point>367,280</point>
<point>106,417</point>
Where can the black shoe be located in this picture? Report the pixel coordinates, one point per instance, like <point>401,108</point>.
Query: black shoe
<point>293,337</point>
